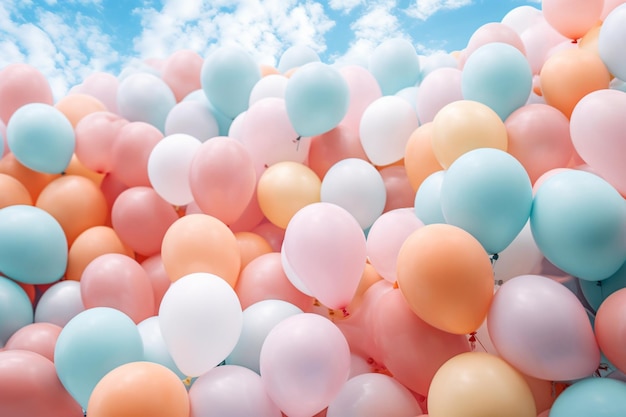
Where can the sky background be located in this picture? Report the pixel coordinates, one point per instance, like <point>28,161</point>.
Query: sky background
<point>69,39</point>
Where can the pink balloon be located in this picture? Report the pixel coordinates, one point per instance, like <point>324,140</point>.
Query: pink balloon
<point>36,337</point>
<point>538,40</point>
<point>102,86</point>
<point>412,350</point>
<point>326,250</point>
<point>364,89</point>
<point>222,178</point>
<point>273,234</point>
<point>22,84</point>
<point>111,188</point>
<point>95,135</point>
<point>181,72</point>
<point>140,217</point>
<point>290,350</point>
<point>541,328</point>
<point>251,217</point>
<point>608,7</point>
<point>4,146</point>
<point>60,303</point>
<point>118,281</point>
<point>572,18</point>
<point>194,118</point>
<point>400,193</point>
<point>440,87</point>
<point>134,143</point>
<point>494,32</point>
<point>333,146</point>
<point>539,138</point>
<point>385,238</point>
<point>264,279</point>
<point>159,279</point>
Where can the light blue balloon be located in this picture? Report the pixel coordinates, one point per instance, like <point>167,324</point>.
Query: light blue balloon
<point>611,41</point>
<point>154,347</point>
<point>92,344</point>
<point>144,97</point>
<point>410,95</point>
<point>578,221</point>
<point>223,122</point>
<point>33,246</point>
<point>596,292</point>
<point>258,320</point>
<point>296,56</point>
<point>16,310</point>
<point>227,78</point>
<point>41,138</point>
<point>499,76</point>
<point>427,203</point>
<point>317,98</point>
<point>597,397</point>
<point>488,193</point>
<point>395,65</point>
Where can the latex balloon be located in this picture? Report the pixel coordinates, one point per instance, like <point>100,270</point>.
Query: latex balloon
<point>154,347</point>
<point>13,192</point>
<point>144,97</point>
<point>395,65</point>
<point>596,292</point>
<point>494,32</point>
<point>102,86</point>
<point>521,257</point>
<point>592,396</point>
<point>96,135</point>
<point>270,86</point>
<point>77,106</point>
<point>59,303</point>
<point>572,20</point>
<point>333,146</point>
<point>364,89</point>
<point>35,337</point>
<point>21,84</point>
<point>427,202</point>
<point>193,118</point>
<point>16,309</point>
<point>609,328</point>
<point>181,72</point>
<point>419,157</point>
<point>610,32</point>
<point>296,56</point>
<point>135,142</point>
<point>440,87</point>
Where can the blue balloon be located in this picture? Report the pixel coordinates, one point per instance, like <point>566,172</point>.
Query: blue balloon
<point>488,193</point>
<point>154,347</point>
<point>33,246</point>
<point>578,221</point>
<point>499,76</point>
<point>596,292</point>
<point>296,56</point>
<point>16,310</point>
<point>427,203</point>
<point>317,98</point>
<point>597,397</point>
<point>395,65</point>
<point>41,138</point>
<point>223,122</point>
<point>92,344</point>
<point>227,78</point>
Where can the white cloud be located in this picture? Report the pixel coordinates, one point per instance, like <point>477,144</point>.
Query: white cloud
<point>345,6</point>
<point>423,9</point>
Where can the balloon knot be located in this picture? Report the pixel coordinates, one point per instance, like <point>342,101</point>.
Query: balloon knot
<point>599,283</point>
<point>395,285</point>
<point>187,381</point>
<point>297,142</point>
<point>316,302</point>
<point>345,312</point>
<point>472,337</point>
<point>574,41</point>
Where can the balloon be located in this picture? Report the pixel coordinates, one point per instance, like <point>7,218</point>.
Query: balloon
<point>139,389</point>
<point>273,85</point>
<point>169,166</point>
<point>541,341</point>
<point>273,234</point>
<point>498,75</point>
<point>539,39</point>
<point>569,75</point>
<point>440,87</point>
<point>33,247</point>
<point>222,178</point>
<point>326,249</point>
<point>30,387</point>
<point>333,146</point>
<point>370,395</point>
<point>201,320</point>
<point>286,187</point>
<point>41,138</point>
<point>595,128</point>
<point>464,125</point>
<point>385,128</point>
<point>159,280</point>
<point>609,328</point>
<point>479,384</point>
<point>154,347</point>
<point>494,32</point>
<point>227,78</point>
<point>521,18</point>
<point>572,18</point>
<point>223,122</point>
<point>317,99</point>
<point>296,56</point>
<point>77,106</point>
<point>200,243</point>
<point>92,344</point>
<point>251,246</point>
<point>21,84</point>
<point>258,320</point>
<point>601,397</point>
<point>596,292</point>
<point>358,187</point>
<point>16,310</point>
<point>427,202</point>
<point>364,89</point>
<point>13,192</point>
<point>289,350</point>
<point>488,193</point>
<point>134,142</point>
<point>96,135</point>
<point>521,257</point>
<point>251,217</point>
<point>419,157</point>
<point>385,238</point>
<point>410,348</point>
<point>219,393</point>
<point>33,181</point>
<point>395,65</point>
<point>451,296</point>
<point>193,118</point>
<point>35,337</point>
<point>102,86</point>
<point>578,222</point>
<point>59,303</point>
<point>400,193</point>
<point>144,97</point>
<point>181,72</point>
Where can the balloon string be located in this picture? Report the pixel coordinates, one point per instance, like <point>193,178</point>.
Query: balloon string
<point>599,284</point>
<point>298,142</point>
<point>473,339</point>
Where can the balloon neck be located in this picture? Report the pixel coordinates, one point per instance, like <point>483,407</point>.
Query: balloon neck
<point>472,339</point>
<point>493,258</point>
<point>316,302</point>
<point>298,142</point>
<point>574,41</point>
<point>340,313</point>
<point>395,285</point>
<point>187,381</point>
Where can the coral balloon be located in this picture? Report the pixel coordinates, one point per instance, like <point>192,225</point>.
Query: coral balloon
<point>331,147</point>
<point>13,192</point>
<point>610,328</point>
<point>251,246</point>
<point>76,106</point>
<point>572,18</point>
<point>36,337</point>
<point>21,84</point>
<point>134,142</point>
<point>181,72</point>
<point>96,135</point>
<point>33,181</point>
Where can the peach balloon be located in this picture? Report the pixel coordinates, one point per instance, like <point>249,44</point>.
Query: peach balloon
<point>33,181</point>
<point>77,106</point>
<point>251,246</point>
<point>22,84</point>
<point>12,192</point>
<point>201,243</point>
<point>419,157</point>
<point>610,327</point>
<point>95,135</point>
<point>590,40</point>
<point>572,18</point>
<point>273,234</point>
<point>75,202</point>
<point>75,167</point>
<point>131,151</point>
<point>331,147</point>
<point>268,70</point>
<point>36,337</point>
<point>159,279</point>
<point>181,72</point>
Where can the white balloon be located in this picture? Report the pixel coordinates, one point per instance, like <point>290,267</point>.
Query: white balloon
<point>611,41</point>
<point>236,127</point>
<point>154,347</point>
<point>193,118</point>
<point>168,167</point>
<point>144,97</point>
<point>521,257</point>
<point>272,85</point>
<point>60,303</point>
<point>521,18</point>
<point>201,319</point>
<point>291,275</point>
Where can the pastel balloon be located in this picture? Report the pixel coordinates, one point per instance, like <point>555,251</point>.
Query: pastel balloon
<point>13,192</point>
<point>223,122</point>
<point>41,138</point>
<point>440,87</point>
<point>600,397</point>
<point>503,208</point>
<point>479,384</point>
<point>201,320</point>
<point>154,347</point>
<point>33,246</point>
<point>96,135</point>
<point>144,97</point>
<point>193,118</point>
<point>451,296</point>
<point>395,65</point>
<point>289,349</point>
<point>92,344</point>
<point>333,146</point>
<point>317,99</point>
<point>572,19</point>
<point>570,208</point>
<point>35,337</point>
<point>159,279</point>
<point>609,328</point>
<point>419,157</point>
<point>77,106</point>
<point>427,202</point>
<point>251,246</point>
<point>273,85</point>
<point>521,257</point>
<point>364,89</point>
<point>494,32</point>
<point>595,292</point>
<point>135,142</point>
<point>181,72</point>
<point>296,56</point>
<point>102,86</point>
<point>59,303</point>
<point>21,84</point>
<point>16,309</point>
<point>398,187</point>
<point>521,18</point>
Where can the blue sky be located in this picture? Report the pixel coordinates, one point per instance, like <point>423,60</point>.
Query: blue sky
<point>69,39</point>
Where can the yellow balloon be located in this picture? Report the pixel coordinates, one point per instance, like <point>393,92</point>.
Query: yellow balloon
<point>478,384</point>
<point>286,187</point>
<point>465,125</point>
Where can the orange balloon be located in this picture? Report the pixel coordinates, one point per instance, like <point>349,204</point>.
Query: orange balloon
<point>286,187</point>
<point>419,158</point>
<point>76,202</point>
<point>76,167</point>
<point>268,70</point>
<point>201,243</point>
<point>369,278</point>
<point>478,384</point>
<point>569,75</point>
<point>90,244</point>
<point>12,192</point>
<point>446,277</point>
<point>251,246</point>
<point>77,106</point>
<point>33,181</point>
<point>590,40</point>
<point>139,389</point>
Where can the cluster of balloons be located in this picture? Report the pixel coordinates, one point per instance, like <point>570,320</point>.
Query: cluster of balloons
<point>441,236</point>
